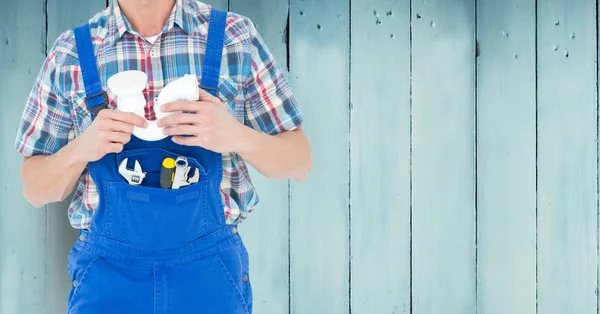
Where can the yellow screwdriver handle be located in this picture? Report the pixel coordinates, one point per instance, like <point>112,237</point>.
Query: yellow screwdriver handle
<point>167,173</point>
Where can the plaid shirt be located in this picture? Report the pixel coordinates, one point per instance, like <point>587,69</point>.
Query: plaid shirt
<point>252,86</point>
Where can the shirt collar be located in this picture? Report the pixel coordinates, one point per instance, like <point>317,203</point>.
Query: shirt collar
<point>179,16</point>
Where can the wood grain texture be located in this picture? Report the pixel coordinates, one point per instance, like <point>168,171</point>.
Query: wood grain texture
<point>567,157</point>
<point>319,52</point>
<point>22,237</point>
<point>60,236</point>
<point>443,208</point>
<point>506,135</point>
<point>266,231</point>
<point>380,157</point>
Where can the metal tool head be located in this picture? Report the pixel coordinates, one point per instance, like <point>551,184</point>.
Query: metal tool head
<point>191,176</point>
<point>181,162</point>
<point>181,168</point>
<point>133,176</point>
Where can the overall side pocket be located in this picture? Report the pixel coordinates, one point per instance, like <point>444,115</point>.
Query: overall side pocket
<point>80,264</point>
<point>234,262</point>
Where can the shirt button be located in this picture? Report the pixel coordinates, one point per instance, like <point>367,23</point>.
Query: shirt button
<point>245,278</point>
<point>75,283</point>
<point>234,230</point>
<point>81,237</point>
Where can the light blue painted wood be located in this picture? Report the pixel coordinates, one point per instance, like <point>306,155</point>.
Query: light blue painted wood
<point>506,136</point>
<point>380,159</point>
<point>22,263</point>
<point>67,14</point>
<point>266,231</point>
<point>567,157</point>
<point>33,243</point>
<point>60,236</point>
<point>443,199</point>
<point>319,49</point>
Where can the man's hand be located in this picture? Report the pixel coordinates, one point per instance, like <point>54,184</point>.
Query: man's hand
<point>109,131</point>
<point>207,124</point>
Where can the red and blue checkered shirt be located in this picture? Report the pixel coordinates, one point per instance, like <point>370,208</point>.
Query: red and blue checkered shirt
<point>252,86</point>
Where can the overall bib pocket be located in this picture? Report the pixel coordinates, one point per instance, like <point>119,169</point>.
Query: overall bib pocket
<point>156,218</point>
<point>148,216</point>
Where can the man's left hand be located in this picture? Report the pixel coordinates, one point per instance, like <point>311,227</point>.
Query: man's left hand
<point>207,123</point>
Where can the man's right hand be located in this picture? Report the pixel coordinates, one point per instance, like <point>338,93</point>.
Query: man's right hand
<point>109,131</point>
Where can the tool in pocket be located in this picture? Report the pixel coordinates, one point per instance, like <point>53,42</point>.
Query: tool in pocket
<point>177,173</point>
<point>133,176</point>
<point>184,174</point>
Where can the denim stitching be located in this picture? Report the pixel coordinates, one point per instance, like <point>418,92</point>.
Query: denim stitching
<point>232,282</point>
<point>81,280</point>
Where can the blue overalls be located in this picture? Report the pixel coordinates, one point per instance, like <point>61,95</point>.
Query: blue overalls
<point>153,250</point>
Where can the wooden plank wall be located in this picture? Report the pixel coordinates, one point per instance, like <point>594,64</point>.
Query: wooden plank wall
<point>567,157</point>
<point>23,274</point>
<point>443,159</point>
<point>380,169</point>
<point>456,159</point>
<point>319,215</point>
<point>506,157</point>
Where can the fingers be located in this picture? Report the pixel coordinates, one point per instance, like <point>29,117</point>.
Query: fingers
<point>184,105</point>
<point>181,129</point>
<point>178,118</point>
<point>187,141</point>
<point>206,96</point>
<point>127,117</point>
<point>117,126</point>
<point>118,137</point>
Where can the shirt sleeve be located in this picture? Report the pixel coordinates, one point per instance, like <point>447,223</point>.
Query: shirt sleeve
<point>46,121</point>
<point>270,105</point>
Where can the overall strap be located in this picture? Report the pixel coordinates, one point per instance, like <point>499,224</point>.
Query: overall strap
<point>214,51</point>
<point>96,98</point>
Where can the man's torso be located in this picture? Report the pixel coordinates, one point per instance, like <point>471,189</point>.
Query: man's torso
<point>179,50</point>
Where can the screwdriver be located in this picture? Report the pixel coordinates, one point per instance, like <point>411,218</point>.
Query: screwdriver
<point>167,173</point>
